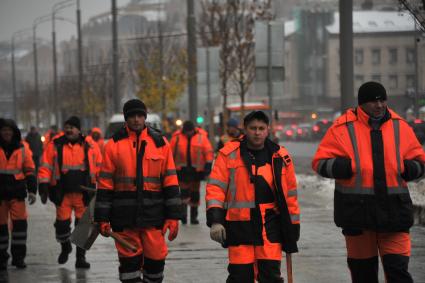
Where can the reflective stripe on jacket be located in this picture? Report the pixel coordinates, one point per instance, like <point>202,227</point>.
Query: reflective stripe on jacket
<point>201,151</point>
<point>137,188</point>
<point>363,201</point>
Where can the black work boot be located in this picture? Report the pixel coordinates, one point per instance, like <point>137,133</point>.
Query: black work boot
<point>19,263</point>
<point>184,214</point>
<point>81,259</point>
<point>194,215</point>
<point>4,256</point>
<point>65,251</point>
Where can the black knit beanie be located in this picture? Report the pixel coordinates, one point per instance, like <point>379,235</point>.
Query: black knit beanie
<point>371,91</point>
<point>188,126</point>
<point>134,106</point>
<point>73,121</point>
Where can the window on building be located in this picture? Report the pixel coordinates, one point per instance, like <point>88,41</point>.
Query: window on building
<point>410,55</point>
<point>376,56</point>
<point>410,81</point>
<point>376,78</point>
<point>393,82</point>
<point>392,56</point>
<point>358,81</point>
<point>358,56</point>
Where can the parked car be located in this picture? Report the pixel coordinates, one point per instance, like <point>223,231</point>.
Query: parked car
<point>320,128</point>
<point>303,132</point>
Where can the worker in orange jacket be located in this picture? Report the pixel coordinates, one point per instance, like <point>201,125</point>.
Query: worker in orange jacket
<point>49,135</point>
<point>371,152</point>
<point>16,178</point>
<point>252,205</point>
<point>138,196</point>
<point>96,134</point>
<point>69,162</point>
<point>232,132</point>
<point>193,155</point>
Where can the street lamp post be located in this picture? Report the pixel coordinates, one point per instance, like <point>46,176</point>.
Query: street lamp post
<point>15,96</point>
<point>56,102</point>
<point>36,22</point>
<point>80,51</point>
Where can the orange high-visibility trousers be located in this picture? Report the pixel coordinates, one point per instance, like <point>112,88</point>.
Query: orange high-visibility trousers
<point>17,211</point>
<point>150,255</point>
<point>363,249</point>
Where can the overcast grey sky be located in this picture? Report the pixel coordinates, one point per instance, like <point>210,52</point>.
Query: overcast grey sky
<point>20,14</point>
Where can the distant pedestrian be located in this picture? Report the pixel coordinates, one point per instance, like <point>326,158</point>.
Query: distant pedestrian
<point>96,134</point>
<point>371,152</point>
<point>17,176</point>
<point>193,155</point>
<point>33,138</point>
<point>69,161</point>
<point>232,132</point>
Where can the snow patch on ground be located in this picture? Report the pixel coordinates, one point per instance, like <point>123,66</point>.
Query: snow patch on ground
<point>417,192</point>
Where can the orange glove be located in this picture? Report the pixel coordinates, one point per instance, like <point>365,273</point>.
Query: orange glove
<point>104,228</point>
<point>173,226</point>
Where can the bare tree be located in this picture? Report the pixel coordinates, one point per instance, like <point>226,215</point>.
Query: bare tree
<point>417,9</point>
<point>230,25</point>
<point>216,30</point>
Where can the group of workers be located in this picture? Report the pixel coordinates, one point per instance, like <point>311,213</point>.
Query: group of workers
<point>144,185</point>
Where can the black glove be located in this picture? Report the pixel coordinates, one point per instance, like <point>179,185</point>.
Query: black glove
<point>43,191</point>
<point>341,168</point>
<point>413,169</point>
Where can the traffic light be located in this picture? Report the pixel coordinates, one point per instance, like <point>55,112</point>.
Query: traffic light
<point>199,119</point>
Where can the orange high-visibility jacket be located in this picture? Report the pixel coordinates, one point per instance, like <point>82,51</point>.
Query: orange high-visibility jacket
<point>201,151</point>
<point>101,141</point>
<point>73,158</point>
<point>20,166</point>
<point>230,195</point>
<point>137,188</point>
<point>361,202</point>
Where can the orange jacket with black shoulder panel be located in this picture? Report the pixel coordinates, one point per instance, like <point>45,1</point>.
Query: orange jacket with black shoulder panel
<point>356,198</point>
<point>137,195</point>
<point>201,151</point>
<point>72,159</point>
<point>231,196</point>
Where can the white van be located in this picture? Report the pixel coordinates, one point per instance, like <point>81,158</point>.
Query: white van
<point>117,121</point>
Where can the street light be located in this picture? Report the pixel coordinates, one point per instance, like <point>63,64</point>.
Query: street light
<point>56,8</point>
<point>36,22</point>
<point>15,97</point>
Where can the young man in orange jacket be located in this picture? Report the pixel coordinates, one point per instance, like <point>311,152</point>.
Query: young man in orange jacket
<point>138,195</point>
<point>193,156</point>
<point>252,205</point>
<point>69,161</point>
<point>371,152</point>
<point>17,176</point>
